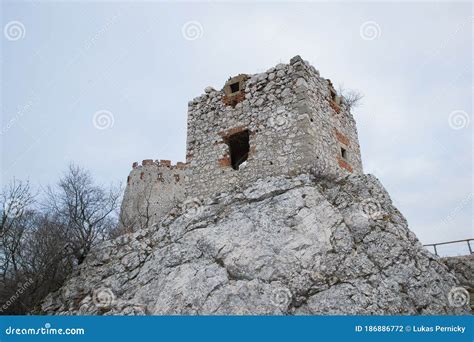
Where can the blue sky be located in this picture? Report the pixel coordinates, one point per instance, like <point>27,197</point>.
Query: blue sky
<point>136,61</point>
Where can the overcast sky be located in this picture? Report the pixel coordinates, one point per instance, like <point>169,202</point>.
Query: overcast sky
<point>139,63</point>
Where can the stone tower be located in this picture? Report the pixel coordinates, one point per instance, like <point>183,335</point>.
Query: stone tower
<point>153,189</point>
<point>285,121</point>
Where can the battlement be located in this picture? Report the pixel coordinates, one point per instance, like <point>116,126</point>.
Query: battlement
<point>153,188</point>
<point>162,162</point>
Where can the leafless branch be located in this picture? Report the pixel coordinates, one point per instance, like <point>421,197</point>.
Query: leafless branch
<point>352,98</point>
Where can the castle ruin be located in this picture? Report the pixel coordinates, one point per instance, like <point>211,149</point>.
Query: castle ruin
<point>286,121</point>
<point>244,229</point>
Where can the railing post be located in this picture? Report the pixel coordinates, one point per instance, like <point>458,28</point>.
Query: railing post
<point>469,245</point>
<point>434,246</point>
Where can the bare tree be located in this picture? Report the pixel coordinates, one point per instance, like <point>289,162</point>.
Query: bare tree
<point>16,200</point>
<point>41,263</point>
<point>16,225</point>
<point>144,211</point>
<point>352,98</point>
<point>41,245</point>
<point>48,259</point>
<point>84,209</point>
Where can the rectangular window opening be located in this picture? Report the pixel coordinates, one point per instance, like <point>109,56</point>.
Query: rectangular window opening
<point>234,87</point>
<point>343,153</point>
<point>239,148</point>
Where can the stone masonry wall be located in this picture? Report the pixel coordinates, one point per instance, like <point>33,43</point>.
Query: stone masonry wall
<point>294,127</point>
<point>332,125</point>
<point>153,189</point>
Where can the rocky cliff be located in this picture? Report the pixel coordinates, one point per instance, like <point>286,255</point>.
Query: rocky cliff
<point>287,246</point>
<point>463,268</point>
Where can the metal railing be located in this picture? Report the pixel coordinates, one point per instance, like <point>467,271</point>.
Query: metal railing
<point>468,241</point>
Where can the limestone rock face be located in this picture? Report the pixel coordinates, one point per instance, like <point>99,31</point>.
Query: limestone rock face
<point>463,268</point>
<point>282,246</point>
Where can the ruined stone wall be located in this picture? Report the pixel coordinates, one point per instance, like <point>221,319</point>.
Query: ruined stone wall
<point>293,128</point>
<point>332,125</point>
<point>153,189</point>
<point>296,124</point>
